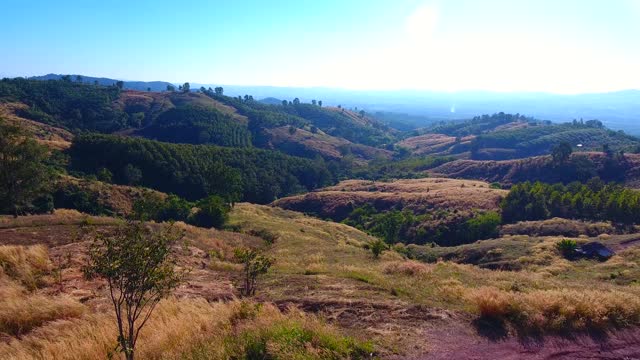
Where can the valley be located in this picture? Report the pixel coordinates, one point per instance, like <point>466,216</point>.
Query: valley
<point>464,239</point>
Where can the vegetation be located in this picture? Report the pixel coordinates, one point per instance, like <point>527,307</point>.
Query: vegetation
<point>194,125</point>
<point>23,173</point>
<point>591,201</point>
<point>254,264</point>
<point>406,227</point>
<point>195,172</point>
<point>66,104</point>
<point>136,263</point>
<point>567,247</point>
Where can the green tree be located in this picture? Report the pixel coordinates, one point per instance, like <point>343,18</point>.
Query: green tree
<point>139,269</point>
<point>296,101</point>
<point>219,91</point>
<point>254,264</point>
<point>79,78</point>
<point>314,102</point>
<point>320,103</point>
<point>120,84</point>
<point>23,174</point>
<point>213,211</point>
<point>171,88</point>
<point>186,87</point>
<point>105,175</point>
<point>561,152</point>
<point>132,175</point>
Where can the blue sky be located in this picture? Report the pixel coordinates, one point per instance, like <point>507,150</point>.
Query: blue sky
<point>563,46</point>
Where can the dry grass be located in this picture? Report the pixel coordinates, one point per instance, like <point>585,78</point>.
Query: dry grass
<point>558,310</point>
<point>558,227</point>
<point>26,265</point>
<point>59,217</point>
<point>21,311</point>
<point>409,267</point>
<point>192,329</point>
<point>419,195</point>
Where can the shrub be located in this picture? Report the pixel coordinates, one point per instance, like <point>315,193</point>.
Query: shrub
<point>377,247</point>
<point>410,268</point>
<point>266,235</point>
<point>213,212</point>
<point>567,247</point>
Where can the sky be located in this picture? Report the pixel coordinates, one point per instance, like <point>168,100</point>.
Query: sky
<point>559,46</point>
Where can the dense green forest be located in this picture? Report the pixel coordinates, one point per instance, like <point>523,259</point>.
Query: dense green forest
<point>70,105</point>
<point>197,171</point>
<point>196,125</point>
<point>594,200</point>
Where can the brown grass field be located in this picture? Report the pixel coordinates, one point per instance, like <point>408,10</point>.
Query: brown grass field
<point>419,195</point>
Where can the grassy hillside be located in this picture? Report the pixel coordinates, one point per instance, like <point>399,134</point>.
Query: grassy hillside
<point>581,167</point>
<point>392,306</point>
<point>505,136</point>
<point>443,211</point>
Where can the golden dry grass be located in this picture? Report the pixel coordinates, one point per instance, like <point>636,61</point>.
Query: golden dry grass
<point>419,195</point>
<point>558,310</point>
<point>25,265</point>
<point>59,217</point>
<point>22,311</point>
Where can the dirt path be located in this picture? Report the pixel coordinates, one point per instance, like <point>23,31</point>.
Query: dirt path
<point>621,345</point>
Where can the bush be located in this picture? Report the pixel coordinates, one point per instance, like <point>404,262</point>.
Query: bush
<point>567,247</point>
<point>213,212</point>
<point>377,247</point>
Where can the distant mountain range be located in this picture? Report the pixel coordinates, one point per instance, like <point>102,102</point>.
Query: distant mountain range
<point>617,110</point>
<point>129,85</point>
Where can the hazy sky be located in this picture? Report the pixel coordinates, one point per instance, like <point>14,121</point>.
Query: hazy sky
<point>566,46</point>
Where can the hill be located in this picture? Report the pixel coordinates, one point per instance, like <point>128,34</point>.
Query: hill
<point>505,136</point>
<point>582,167</point>
<point>129,85</point>
<point>442,211</point>
<point>50,136</point>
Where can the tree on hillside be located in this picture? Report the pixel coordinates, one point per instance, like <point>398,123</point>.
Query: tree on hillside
<point>561,152</point>
<point>171,88</point>
<point>362,113</point>
<point>23,174</point>
<point>219,91</point>
<point>320,103</point>
<point>66,78</point>
<point>296,101</point>
<point>203,89</point>
<point>139,269</point>
<point>254,264</point>
<point>284,103</point>
<point>186,87</point>
<point>314,102</point>
<point>120,84</point>
<point>79,78</point>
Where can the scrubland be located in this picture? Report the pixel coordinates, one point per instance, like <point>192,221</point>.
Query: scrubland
<point>326,296</point>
